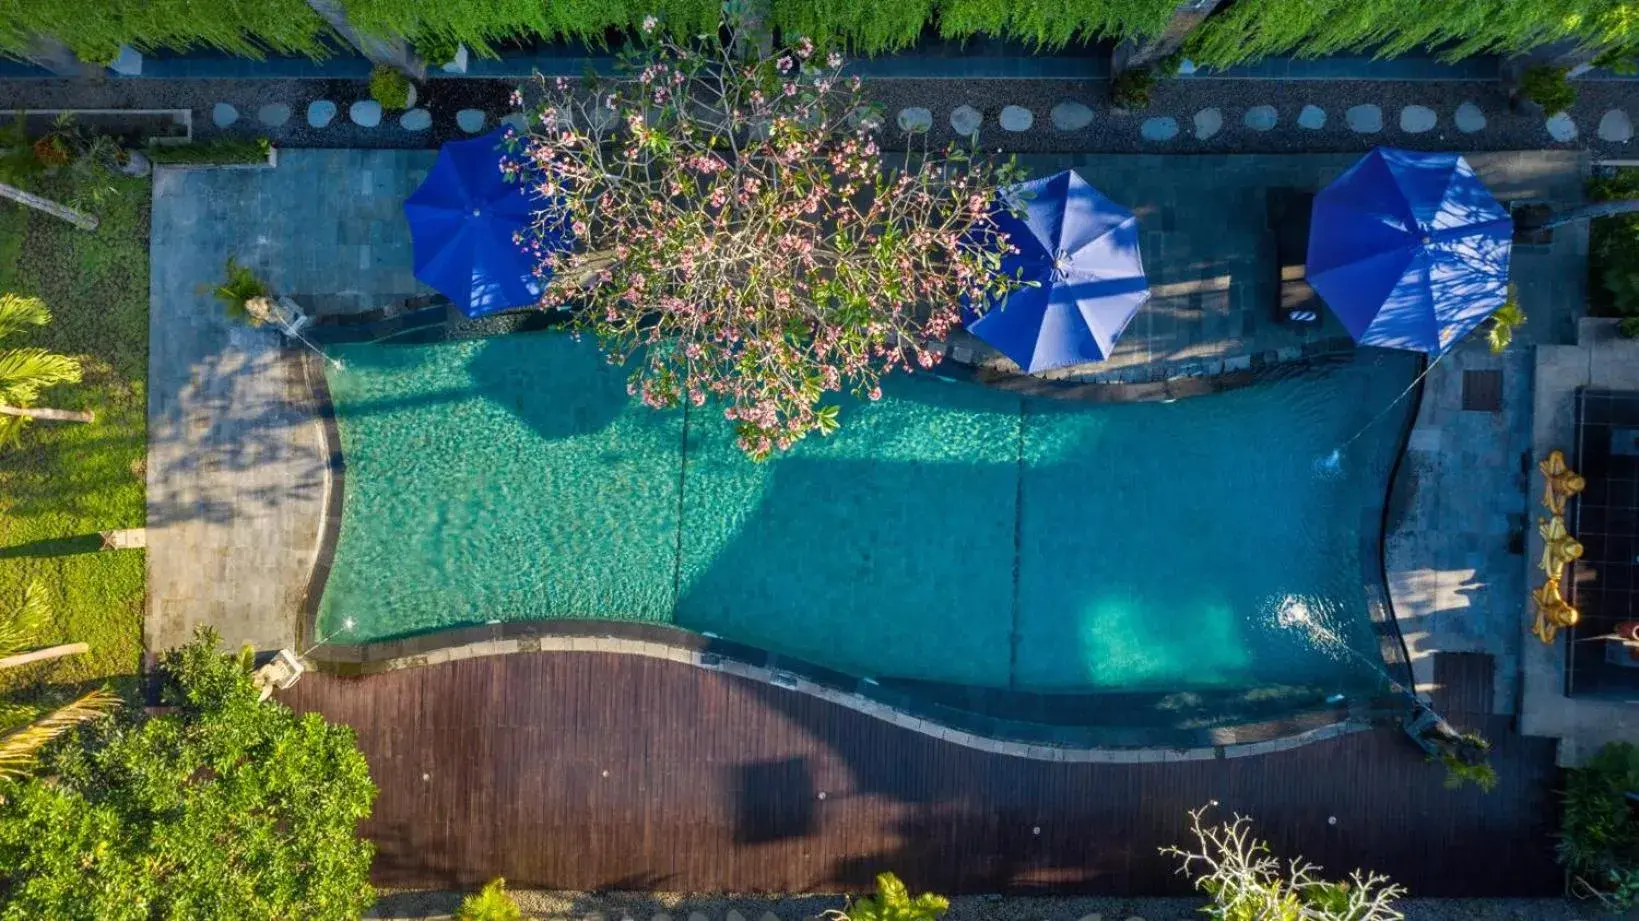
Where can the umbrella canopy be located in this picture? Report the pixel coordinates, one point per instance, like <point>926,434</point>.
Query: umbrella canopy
<point>463,220</point>
<point>1410,250</point>
<point>1081,249</point>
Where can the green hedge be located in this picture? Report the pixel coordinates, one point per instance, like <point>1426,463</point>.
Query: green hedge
<point>480,24</point>
<point>875,27</point>
<point>1252,29</point>
<point>95,29</point>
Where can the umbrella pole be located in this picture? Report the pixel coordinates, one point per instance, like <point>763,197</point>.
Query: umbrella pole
<point>1335,459</point>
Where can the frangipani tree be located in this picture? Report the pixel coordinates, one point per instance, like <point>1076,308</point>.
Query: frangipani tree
<point>736,234</point>
<point>25,372</point>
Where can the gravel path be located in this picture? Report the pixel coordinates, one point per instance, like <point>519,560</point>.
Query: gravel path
<point>1198,115</point>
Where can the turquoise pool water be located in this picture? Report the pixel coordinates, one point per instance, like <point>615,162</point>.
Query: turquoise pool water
<point>950,532</point>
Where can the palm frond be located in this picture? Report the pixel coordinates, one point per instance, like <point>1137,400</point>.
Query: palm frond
<point>26,372</point>
<point>17,313</point>
<point>20,750</point>
<point>20,628</point>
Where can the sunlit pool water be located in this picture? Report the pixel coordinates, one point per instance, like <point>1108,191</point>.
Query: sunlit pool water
<point>950,532</point>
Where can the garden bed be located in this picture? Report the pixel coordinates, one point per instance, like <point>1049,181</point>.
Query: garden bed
<point>65,482</point>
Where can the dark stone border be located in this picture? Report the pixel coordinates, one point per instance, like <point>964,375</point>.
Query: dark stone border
<point>922,706</point>
<point>1391,644</point>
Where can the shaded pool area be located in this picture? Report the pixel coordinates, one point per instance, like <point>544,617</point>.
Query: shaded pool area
<point>949,534</point>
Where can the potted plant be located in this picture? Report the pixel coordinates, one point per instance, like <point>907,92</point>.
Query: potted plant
<point>390,88</point>
<point>1464,754</point>
<point>1131,89</point>
<point>1546,87</point>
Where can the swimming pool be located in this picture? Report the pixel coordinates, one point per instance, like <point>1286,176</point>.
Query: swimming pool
<point>950,533</point>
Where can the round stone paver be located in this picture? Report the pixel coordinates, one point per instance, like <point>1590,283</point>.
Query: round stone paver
<point>274,114</point>
<point>1261,118</point>
<point>914,119</point>
<point>1561,127</point>
<point>1015,118</point>
<point>1616,127</point>
<point>320,112</point>
<point>517,121</point>
<point>471,120</point>
<point>1208,122</point>
<point>1469,118</point>
<point>1159,128</point>
<point>1070,116</point>
<point>223,115</point>
<point>416,120</point>
<point>1312,118</point>
<point>1364,119</point>
<point>365,113</point>
<point>965,120</point>
<point>1418,119</point>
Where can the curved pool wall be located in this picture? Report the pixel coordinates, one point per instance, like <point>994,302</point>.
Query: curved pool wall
<point>1031,567</point>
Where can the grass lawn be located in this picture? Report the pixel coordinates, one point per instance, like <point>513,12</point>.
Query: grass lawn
<point>67,481</point>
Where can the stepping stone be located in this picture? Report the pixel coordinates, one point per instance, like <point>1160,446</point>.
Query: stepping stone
<point>223,115</point>
<point>1095,916</point>
<point>1208,122</point>
<point>1016,118</point>
<point>1616,127</point>
<point>914,119</point>
<point>274,114</point>
<point>1366,119</point>
<point>471,120</point>
<point>1261,118</point>
<point>1070,116</point>
<point>965,120</point>
<point>1469,118</point>
<point>1561,127</point>
<point>1160,128</point>
<point>698,916</point>
<point>661,916</point>
<point>1418,119</point>
<point>1312,118</point>
<point>416,120</point>
<point>320,112</point>
<point>365,113</point>
<point>769,916</point>
<point>734,916</point>
<point>517,121</point>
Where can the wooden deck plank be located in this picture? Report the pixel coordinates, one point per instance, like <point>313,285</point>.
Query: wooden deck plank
<point>494,767</point>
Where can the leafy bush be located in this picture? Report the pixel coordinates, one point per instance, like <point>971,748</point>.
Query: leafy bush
<point>1548,87</point>
<point>481,24</point>
<point>1132,87</point>
<point>893,902</point>
<point>218,150</point>
<point>436,48</point>
<point>1613,248</point>
<point>1504,321</point>
<point>226,808</point>
<point>241,286</point>
<point>96,30</point>
<point>389,87</point>
<point>489,904</point>
<point>1599,837</point>
<point>873,28</point>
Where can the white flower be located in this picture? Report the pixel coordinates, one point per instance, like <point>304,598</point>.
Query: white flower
<point>649,23</point>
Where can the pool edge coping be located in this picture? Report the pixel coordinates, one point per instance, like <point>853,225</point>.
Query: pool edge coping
<point>702,651</point>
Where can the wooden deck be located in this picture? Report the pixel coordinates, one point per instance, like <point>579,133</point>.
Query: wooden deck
<point>597,771</point>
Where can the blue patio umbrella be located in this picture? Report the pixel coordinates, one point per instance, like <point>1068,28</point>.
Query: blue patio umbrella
<point>1081,251</point>
<point>1410,250</point>
<point>463,220</point>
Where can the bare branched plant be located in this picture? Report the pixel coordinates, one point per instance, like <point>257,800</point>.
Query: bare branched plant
<point>1247,882</point>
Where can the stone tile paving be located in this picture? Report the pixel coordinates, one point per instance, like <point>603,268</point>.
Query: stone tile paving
<point>1027,114</point>
<point>1454,551</point>
<point>235,468</point>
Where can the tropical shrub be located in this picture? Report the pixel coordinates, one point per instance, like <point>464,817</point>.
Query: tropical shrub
<point>1599,836</point>
<point>226,808</point>
<point>1499,334</point>
<point>1548,87</point>
<point>389,87</point>
<point>1246,882</point>
<point>238,290</point>
<point>1613,248</point>
<point>893,902</point>
<point>1132,87</point>
<point>489,904</point>
<point>481,24</point>
<point>736,235</point>
<point>30,719</point>
<point>873,28</point>
<point>222,150</point>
